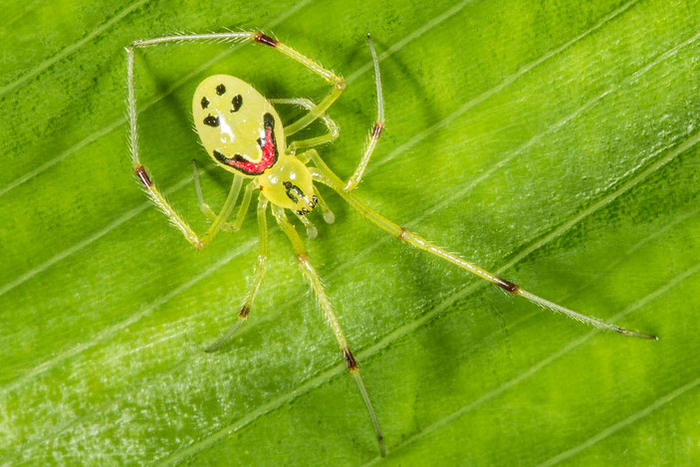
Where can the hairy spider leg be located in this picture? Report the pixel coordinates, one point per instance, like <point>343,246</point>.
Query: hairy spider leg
<point>260,268</point>
<point>336,81</point>
<point>325,175</point>
<point>155,194</point>
<point>332,134</point>
<point>376,131</point>
<point>321,297</point>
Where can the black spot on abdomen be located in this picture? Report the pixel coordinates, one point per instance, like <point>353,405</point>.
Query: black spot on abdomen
<point>211,120</point>
<point>237,102</point>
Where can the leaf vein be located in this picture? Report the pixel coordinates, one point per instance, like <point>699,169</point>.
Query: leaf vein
<point>71,48</point>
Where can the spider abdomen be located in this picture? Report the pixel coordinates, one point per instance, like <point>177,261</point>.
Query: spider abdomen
<point>238,127</point>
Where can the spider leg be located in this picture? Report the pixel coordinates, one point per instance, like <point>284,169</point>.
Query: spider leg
<point>155,194</point>
<point>311,275</point>
<point>311,230</point>
<point>376,131</point>
<point>234,226</point>
<point>318,140</point>
<point>203,206</point>
<point>322,173</point>
<point>243,210</point>
<point>374,134</point>
<point>336,81</point>
<point>328,215</point>
<point>260,268</point>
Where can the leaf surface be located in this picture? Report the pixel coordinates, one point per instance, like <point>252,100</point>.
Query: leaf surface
<point>554,143</point>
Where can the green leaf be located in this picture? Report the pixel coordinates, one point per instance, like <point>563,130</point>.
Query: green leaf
<point>552,142</point>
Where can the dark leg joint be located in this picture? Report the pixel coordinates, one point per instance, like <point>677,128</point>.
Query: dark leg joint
<point>265,39</point>
<point>350,360</point>
<point>143,176</point>
<point>402,235</point>
<point>243,314</point>
<point>377,130</point>
<point>507,285</point>
<point>303,258</point>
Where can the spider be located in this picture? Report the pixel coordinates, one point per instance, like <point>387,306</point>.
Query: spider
<point>243,134</point>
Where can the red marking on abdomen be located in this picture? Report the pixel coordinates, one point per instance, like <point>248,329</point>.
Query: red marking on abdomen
<point>268,157</point>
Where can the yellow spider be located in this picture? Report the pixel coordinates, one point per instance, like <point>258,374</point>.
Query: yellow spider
<point>243,134</point>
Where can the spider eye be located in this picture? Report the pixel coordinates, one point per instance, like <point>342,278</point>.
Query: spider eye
<point>220,89</point>
<point>237,102</point>
<point>205,102</point>
<point>211,120</point>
